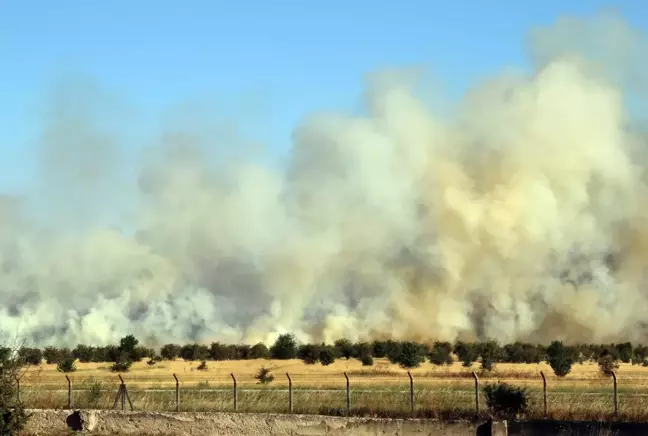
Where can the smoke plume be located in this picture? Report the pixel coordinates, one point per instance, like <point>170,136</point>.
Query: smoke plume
<point>519,215</point>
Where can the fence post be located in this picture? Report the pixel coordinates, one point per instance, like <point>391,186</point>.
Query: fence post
<point>177,393</point>
<point>235,392</point>
<point>348,395</point>
<point>69,405</point>
<point>411,393</point>
<point>290,401</point>
<point>616,398</point>
<point>544,392</point>
<point>474,374</point>
<point>123,388</point>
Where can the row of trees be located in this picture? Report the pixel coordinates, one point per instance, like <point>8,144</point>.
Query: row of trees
<point>407,354</point>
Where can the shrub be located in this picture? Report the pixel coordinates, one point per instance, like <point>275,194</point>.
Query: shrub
<point>202,366</point>
<point>122,364</point>
<point>560,358</point>
<point>367,360</point>
<point>490,353</point>
<point>309,353</point>
<point>506,401</point>
<point>411,355</point>
<point>66,365</point>
<point>284,348</point>
<point>170,351</point>
<point>264,376</point>
<point>326,355</point>
<point>441,353</point>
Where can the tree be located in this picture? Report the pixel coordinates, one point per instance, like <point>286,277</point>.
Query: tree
<point>195,351</point>
<point>170,351</point>
<point>393,351</point>
<point>490,353</point>
<point>607,364</point>
<point>66,365</point>
<point>467,353</point>
<point>309,353</point>
<point>344,348</point>
<point>32,356</point>
<point>367,360</point>
<point>411,355</point>
<point>259,351</point>
<point>128,343</point>
<point>361,349</point>
<point>13,416</point>
<point>441,353</point>
<point>284,348</point>
<point>560,358</point>
<point>52,355</point>
<point>83,352</point>
<point>625,352</point>
<point>326,355</point>
<point>640,355</point>
<point>379,349</point>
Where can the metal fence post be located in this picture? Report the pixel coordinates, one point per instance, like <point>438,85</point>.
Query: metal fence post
<point>235,392</point>
<point>544,392</point>
<point>290,399</point>
<point>411,393</point>
<point>348,395</point>
<point>177,392</point>
<point>474,374</point>
<point>69,405</point>
<point>616,397</point>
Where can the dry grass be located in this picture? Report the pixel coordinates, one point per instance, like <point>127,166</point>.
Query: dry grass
<point>380,390</point>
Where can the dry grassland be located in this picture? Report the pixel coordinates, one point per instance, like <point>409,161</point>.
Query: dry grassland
<point>382,389</point>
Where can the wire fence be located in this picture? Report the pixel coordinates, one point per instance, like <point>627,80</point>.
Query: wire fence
<point>300,394</point>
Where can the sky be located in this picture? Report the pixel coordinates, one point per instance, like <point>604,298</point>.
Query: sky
<point>266,65</point>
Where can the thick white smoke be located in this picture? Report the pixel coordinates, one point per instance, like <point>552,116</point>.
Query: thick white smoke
<point>519,217</point>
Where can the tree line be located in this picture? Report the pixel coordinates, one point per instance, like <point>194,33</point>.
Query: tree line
<point>407,354</point>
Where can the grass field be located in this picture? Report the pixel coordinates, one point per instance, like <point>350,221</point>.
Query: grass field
<point>381,390</point>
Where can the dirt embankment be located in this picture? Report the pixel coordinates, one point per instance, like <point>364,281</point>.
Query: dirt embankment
<point>60,422</point>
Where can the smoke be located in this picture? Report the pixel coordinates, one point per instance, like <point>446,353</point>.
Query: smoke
<point>518,216</point>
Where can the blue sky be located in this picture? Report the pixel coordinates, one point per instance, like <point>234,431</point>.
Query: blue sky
<point>266,63</point>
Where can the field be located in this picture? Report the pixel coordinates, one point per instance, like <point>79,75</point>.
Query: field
<point>381,390</point>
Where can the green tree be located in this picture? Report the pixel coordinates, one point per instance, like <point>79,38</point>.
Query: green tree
<point>411,355</point>
<point>326,355</point>
<point>52,355</point>
<point>309,353</point>
<point>441,353</point>
<point>170,351</point>
<point>66,365</point>
<point>625,352</point>
<point>344,348</point>
<point>13,416</point>
<point>467,353</point>
<point>560,358</point>
<point>490,353</point>
<point>259,351</point>
<point>284,348</point>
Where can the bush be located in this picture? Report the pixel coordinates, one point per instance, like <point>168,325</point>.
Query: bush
<point>122,364</point>
<point>202,366</point>
<point>31,356</point>
<point>411,355</point>
<point>52,355</point>
<point>326,355</point>
<point>490,353</point>
<point>66,365</point>
<point>84,353</point>
<point>367,360</point>
<point>284,348</point>
<point>506,401</point>
<point>264,376</point>
<point>441,353</point>
<point>560,358</point>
